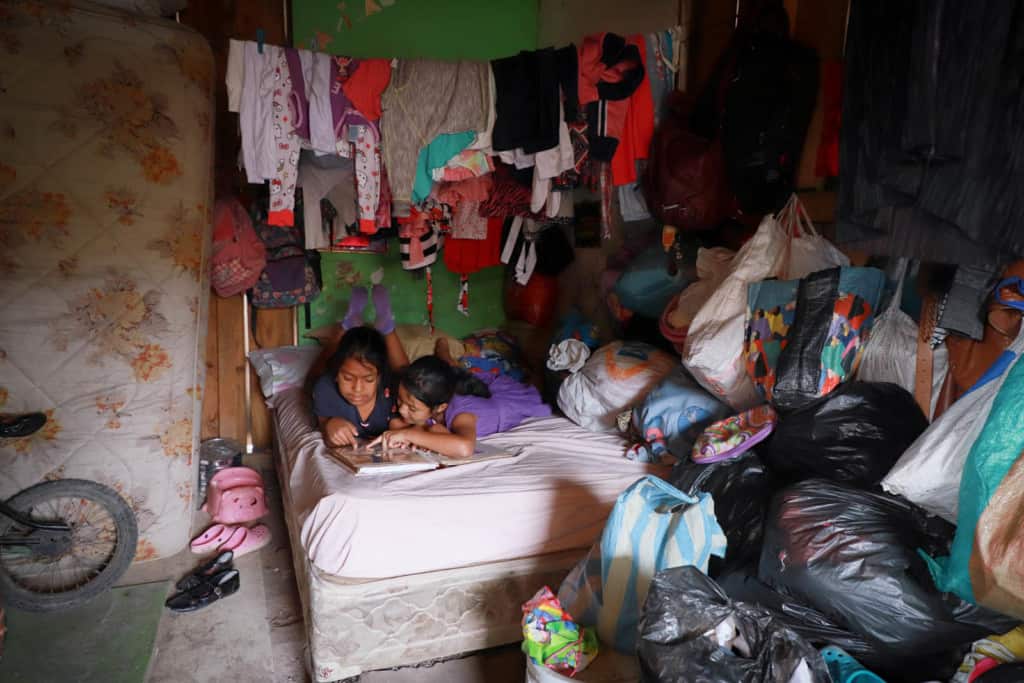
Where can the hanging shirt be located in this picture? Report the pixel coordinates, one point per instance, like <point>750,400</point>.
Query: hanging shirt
<point>424,99</point>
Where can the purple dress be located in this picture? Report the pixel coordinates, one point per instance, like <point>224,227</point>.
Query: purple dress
<point>510,403</point>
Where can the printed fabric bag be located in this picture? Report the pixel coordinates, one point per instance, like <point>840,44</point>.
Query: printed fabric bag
<point>238,254</point>
<point>771,306</point>
<point>734,435</point>
<point>292,274</point>
<point>983,566</point>
<point>835,310</point>
<point>551,637</point>
<point>653,526</point>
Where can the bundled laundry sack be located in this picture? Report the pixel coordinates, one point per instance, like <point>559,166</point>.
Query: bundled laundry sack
<point>983,565</point>
<point>741,487</point>
<point>929,472</point>
<point>853,556</point>
<point>615,378</point>
<point>835,310</point>
<point>653,526</point>
<point>855,434</point>
<point>691,631</point>
<point>671,417</point>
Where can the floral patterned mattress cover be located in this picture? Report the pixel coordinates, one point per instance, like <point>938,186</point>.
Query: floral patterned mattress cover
<point>104,212</point>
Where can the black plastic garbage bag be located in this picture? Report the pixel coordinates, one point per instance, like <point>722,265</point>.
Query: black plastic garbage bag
<point>686,615</point>
<point>741,488</point>
<point>819,630</point>
<point>852,556</point>
<point>855,434</point>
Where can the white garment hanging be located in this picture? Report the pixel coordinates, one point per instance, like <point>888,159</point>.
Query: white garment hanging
<point>255,115</point>
<point>321,121</point>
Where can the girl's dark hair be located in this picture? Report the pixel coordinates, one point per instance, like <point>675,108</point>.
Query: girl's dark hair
<point>366,345</point>
<point>434,382</point>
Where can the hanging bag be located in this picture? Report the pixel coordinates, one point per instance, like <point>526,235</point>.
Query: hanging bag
<point>292,274</point>
<point>238,254</point>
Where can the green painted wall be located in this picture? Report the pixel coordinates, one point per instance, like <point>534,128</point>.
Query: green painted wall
<point>439,29</point>
<point>408,294</point>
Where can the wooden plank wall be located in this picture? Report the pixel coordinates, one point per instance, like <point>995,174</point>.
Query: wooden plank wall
<point>224,402</point>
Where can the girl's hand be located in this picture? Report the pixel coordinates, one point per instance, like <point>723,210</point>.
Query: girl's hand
<point>341,432</point>
<point>393,439</point>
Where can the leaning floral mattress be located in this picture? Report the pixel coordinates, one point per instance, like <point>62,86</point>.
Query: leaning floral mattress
<point>104,215</point>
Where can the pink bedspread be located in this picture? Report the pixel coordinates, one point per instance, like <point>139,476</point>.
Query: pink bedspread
<point>555,495</point>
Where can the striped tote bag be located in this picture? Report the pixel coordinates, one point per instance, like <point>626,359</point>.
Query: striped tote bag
<point>653,526</point>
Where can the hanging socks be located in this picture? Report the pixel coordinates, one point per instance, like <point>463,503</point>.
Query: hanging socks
<point>385,321</point>
<point>354,317</point>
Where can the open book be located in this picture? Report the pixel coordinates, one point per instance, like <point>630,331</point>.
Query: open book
<point>377,460</point>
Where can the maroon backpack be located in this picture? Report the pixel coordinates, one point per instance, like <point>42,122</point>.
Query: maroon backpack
<point>685,182</point>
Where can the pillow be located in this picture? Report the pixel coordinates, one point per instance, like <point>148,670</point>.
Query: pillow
<point>493,352</point>
<point>282,368</point>
<point>416,339</point>
<point>615,378</point>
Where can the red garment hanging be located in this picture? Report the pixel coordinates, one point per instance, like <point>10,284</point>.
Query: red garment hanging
<point>469,256</point>
<point>638,130</point>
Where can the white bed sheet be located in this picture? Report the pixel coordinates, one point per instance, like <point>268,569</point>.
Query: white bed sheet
<point>554,496</point>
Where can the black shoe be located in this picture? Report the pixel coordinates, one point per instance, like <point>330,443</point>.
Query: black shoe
<point>204,571</point>
<point>21,425</point>
<point>208,591</point>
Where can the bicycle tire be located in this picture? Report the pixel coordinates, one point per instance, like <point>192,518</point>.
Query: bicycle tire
<point>125,524</point>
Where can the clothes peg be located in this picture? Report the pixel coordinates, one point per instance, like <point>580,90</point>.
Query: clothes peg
<point>259,40</point>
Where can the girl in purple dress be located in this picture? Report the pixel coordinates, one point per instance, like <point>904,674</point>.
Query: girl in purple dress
<point>446,409</point>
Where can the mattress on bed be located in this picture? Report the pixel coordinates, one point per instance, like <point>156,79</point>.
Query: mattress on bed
<point>554,496</point>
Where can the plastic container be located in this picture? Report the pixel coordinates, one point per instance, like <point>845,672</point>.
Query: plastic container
<point>215,454</point>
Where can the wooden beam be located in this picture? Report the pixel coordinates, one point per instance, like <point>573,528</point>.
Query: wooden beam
<point>232,362</point>
<point>274,327</point>
<point>211,389</point>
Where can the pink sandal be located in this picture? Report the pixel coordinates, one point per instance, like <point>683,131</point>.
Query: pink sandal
<point>252,539</point>
<point>213,538</point>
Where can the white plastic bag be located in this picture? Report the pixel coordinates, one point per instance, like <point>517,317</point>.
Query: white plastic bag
<point>712,269</point>
<point>891,353</point>
<point>785,246</point>
<point>614,379</point>
<point>809,252</point>
<point>713,352</point>
<point>928,474</point>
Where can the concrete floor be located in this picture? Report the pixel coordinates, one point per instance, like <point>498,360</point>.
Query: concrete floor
<point>257,634</point>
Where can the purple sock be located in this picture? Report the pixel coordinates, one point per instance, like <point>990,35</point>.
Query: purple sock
<point>385,321</point>
<point>354,317</point>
